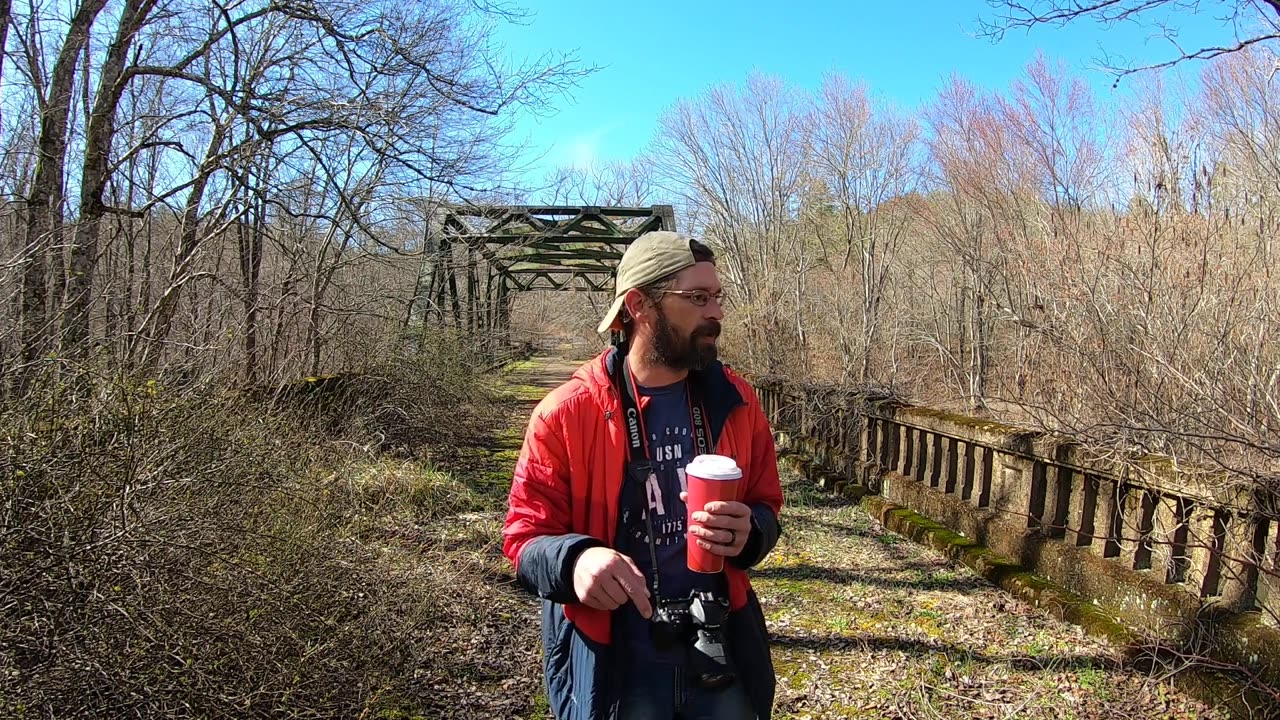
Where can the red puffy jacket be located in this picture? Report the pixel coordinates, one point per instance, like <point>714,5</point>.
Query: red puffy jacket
<point>569,476</point>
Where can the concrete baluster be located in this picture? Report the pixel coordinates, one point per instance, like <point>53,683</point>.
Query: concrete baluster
<point>986,467</point>
<point>892,435</point>
<point>1060,479</point>
<point>868,456</point>
<point>877,429</point>
<point>924,455</point>
<point>1169,538</point>
<point>970,470</point>
<point>1138,516</point>
<point>1269,576</point>
<point>953,467</point>
<point>1205,532</point>
<point>1110,518</point>
<point>1011,484</point>
<point>1244,545</point>
<point>903,464</point>
<point>936,456</point>
<point>1037,494</point>
<point>1082,514</point>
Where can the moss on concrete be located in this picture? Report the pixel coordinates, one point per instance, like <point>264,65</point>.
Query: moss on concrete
<point>1245,635</point>
<point>1001,571</point>
<point>965,421</point>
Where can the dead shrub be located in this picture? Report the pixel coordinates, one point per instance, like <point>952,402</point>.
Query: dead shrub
<point>398,402</point>
<point>193,554</point>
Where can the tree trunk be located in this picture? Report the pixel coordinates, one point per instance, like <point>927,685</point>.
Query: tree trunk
<point>447,249</point>
<point>160,319</point>
<point>251,241</point>
<point>99,136</point>
<point>420,289</point>
<point>801,336</point>
<point>978,349</point>
<point>5,13</point>
<point>278,332</point>
<point>44,205</point>
<point>962,333</point>
<point>870,301</point>
<point>473,299</point>
<point>319,285</point>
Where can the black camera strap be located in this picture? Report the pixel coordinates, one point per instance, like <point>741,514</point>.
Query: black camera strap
<point>638,450</point>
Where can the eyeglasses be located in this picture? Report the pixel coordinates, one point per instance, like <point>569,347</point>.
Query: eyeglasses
<point>699,297</point>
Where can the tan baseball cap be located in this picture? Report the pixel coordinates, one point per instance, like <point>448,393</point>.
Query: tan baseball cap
<point>649,258</point>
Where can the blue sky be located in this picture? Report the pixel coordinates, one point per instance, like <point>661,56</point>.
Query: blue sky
<point>654,53</point>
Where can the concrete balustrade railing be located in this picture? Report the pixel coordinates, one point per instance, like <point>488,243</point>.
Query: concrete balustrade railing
<point>1158,547</point>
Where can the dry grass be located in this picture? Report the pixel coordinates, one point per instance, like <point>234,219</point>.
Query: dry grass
<point>192,553</point>
<point>869,624</point>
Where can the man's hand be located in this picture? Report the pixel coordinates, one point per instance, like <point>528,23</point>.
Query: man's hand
<point>605,579</point>
<point>723,526</point>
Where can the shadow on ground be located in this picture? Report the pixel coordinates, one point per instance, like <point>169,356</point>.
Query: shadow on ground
<point>931,649</point>
<point>922,576</point>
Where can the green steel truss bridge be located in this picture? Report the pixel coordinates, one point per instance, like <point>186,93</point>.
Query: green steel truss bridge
<point>477,256</point>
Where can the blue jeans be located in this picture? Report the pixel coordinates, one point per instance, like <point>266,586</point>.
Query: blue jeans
<point>664,692</point>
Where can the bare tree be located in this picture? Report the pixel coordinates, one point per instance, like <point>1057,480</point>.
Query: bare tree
<point>617,183</point>
<point>1251,22</point>
<point>970,151</point>
<point>197,116</point>
<point>735,156</point>
<point>94,174</point>
<point>44,226</point>
<point>6,12</point>
<point>865,159</point>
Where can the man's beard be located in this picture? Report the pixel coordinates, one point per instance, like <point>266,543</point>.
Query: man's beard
<point>683,353</point>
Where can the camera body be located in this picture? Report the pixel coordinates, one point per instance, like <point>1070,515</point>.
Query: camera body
<point>697,622</point>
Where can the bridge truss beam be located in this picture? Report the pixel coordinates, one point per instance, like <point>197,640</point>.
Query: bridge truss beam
<point>521,248</point>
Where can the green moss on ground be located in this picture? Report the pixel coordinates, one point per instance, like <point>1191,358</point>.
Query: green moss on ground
<point>523,393</point>
<point>520,366</point>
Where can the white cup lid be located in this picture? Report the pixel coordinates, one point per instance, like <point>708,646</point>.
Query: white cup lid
<point>714,467</point>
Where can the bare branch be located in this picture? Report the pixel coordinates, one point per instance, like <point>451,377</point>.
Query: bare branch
<point>1014,15</point>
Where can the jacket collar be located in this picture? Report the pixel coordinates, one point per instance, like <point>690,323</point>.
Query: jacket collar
<point>719,395</point>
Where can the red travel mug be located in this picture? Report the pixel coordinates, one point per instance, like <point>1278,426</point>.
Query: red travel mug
<point>710,478</point>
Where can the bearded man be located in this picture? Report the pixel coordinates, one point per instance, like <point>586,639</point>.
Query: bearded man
<point>596,522</point>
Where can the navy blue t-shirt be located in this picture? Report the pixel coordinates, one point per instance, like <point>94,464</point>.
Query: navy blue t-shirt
<point>670,437</point>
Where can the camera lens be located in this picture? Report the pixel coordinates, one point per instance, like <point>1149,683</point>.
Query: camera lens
<point>715,681</point>
<point>709,661</point>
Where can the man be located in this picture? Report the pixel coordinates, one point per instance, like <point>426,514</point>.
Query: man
<point>593,509</point>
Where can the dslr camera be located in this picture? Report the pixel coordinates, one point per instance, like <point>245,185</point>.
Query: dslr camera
<point>698,623</point>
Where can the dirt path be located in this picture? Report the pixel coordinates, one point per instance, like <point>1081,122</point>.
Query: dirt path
<point>544,372</point>
<point>865,623</point>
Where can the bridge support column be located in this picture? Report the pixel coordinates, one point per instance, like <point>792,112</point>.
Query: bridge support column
<point>1169,539</point>
<point>1205,533</point>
